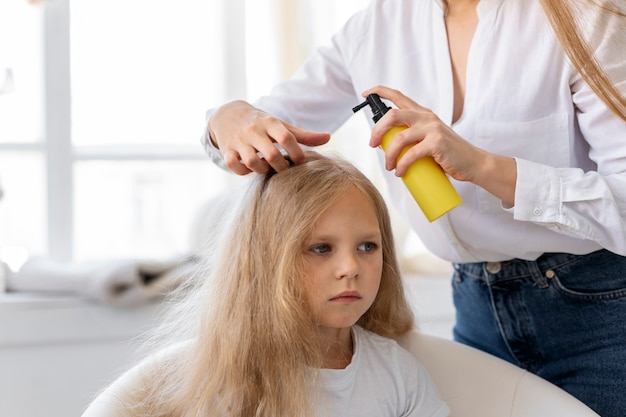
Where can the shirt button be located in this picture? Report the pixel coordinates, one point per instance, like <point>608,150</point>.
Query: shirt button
<point>537,211</point>
<point>494,267</point>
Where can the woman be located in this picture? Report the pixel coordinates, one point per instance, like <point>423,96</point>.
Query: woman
<point>522,103</point>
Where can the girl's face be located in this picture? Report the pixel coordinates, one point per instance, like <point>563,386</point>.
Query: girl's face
<point>343,261</point>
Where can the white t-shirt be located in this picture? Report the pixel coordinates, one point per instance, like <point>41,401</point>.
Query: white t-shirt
<point>383,380</point>
<point>523,99</point>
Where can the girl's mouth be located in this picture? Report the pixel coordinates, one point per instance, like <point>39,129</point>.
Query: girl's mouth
<point>347,296</point>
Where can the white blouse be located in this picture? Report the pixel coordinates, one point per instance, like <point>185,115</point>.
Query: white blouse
<point>523,99</point>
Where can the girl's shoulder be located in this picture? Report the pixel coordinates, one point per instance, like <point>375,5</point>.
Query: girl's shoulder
<point>376,345</point>
<point>399,380</point>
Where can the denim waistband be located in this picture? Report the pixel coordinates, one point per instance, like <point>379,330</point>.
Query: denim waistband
<point>516,268</point>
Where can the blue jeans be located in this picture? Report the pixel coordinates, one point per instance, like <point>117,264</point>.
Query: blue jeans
<point>562,317</point>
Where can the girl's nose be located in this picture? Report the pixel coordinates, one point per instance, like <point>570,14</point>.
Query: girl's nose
<point>348,267</point>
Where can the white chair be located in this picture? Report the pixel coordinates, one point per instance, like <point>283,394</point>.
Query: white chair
<point>473,384</point>
<point>476,384</point>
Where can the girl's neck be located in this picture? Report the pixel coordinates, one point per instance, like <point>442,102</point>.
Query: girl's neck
<point>339,347</point>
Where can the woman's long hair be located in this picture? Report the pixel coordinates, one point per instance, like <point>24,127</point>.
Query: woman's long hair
<point>568,19</point>
<point>256,344</point>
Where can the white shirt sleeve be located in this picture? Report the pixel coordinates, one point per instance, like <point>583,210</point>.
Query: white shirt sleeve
<point>211,150</point>
<point>585,205</point>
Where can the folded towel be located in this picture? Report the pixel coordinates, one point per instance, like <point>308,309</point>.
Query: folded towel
<point>129,281</point>
<point>117,282</point>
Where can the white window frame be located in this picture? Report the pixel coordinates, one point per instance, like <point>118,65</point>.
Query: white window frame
<point>59,153</point>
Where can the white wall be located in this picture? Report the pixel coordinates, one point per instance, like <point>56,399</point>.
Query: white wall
<point>57,352</point>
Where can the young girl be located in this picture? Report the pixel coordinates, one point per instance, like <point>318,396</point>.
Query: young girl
<point>298,314</point>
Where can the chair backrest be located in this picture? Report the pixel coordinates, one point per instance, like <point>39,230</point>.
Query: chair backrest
<point>476,384</point>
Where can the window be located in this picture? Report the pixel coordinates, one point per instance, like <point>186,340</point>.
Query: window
<point>102,106</point>
<point>142,74</point>
<point>23,201</point>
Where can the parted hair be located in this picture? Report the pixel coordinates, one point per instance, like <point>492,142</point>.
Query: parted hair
<point>254,343</point>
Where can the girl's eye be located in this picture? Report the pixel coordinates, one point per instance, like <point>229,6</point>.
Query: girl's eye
<point>368,246</point>
<point>320,249</point>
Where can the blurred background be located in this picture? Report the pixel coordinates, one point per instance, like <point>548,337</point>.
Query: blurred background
<point>102,106</point>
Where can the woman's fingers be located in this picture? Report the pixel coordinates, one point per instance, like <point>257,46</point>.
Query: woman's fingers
<point>416,124</point>
<point>251,140</point>
<point>233,162</point>
<point>422,134</point>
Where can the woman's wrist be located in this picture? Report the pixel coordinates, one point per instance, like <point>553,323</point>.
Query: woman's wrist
<point>498,175</point>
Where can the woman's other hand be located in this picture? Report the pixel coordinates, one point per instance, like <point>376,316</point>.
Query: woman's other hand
<point>242,133</point>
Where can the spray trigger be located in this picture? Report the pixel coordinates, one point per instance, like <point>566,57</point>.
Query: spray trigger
<point>376,105</point>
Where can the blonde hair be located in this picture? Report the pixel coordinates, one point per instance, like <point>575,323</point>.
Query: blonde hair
<point>255,344</point>
<point>565,19</point>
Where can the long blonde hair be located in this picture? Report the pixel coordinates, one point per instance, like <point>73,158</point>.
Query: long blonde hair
<point>255,344</point>
<point>564,16</point>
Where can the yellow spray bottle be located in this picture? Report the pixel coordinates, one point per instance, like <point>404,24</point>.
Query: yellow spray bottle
<point>427,182</point>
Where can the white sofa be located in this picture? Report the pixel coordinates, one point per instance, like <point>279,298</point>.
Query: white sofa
<point>473,383</point>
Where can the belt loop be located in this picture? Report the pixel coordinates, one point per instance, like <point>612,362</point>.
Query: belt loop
<point>458,276</point>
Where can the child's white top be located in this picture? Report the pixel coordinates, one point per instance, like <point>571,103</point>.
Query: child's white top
<point>383,380</point>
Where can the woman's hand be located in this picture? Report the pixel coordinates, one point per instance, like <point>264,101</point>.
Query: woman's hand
<point>242,132</point>
<point>427,135</point>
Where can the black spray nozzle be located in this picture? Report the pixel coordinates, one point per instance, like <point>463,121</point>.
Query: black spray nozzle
<point>376,104</point>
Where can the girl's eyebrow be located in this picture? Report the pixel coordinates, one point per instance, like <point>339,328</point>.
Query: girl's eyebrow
<point>366,235</point>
